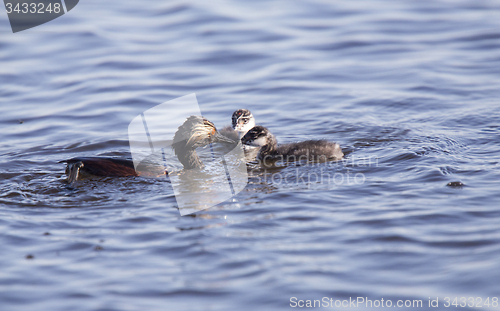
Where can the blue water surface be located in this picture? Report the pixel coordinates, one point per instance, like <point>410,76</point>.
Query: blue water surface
<point>409,89</point>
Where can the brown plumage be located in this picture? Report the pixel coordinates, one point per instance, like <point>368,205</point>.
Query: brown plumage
<point>107,167</point>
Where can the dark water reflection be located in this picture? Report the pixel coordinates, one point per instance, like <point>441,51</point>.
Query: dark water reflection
<point>409,90</point>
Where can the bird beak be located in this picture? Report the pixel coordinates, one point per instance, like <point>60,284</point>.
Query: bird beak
<point>222,139</point>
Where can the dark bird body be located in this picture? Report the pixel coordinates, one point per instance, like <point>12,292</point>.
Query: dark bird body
<point>97,166</point>
<point>311,150</point>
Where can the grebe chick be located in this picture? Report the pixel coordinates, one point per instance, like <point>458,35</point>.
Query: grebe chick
<point>242,121</point>
<point>195,132</point>
<point>312,150</point>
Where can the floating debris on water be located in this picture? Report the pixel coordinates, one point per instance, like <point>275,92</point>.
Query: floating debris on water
<point>455,184</point>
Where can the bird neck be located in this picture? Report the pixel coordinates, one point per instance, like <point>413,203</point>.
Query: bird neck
<point>187,156</point>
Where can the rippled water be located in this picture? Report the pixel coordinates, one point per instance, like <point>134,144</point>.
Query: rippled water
<point>409,89</point>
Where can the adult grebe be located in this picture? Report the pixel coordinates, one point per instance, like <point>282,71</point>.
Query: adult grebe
<point>312,150</point>
<point>242,121</point>
<point>195,132</point>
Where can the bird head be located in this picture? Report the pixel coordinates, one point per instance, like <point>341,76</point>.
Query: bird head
<point>242,121</point>
<point>198,132</point>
